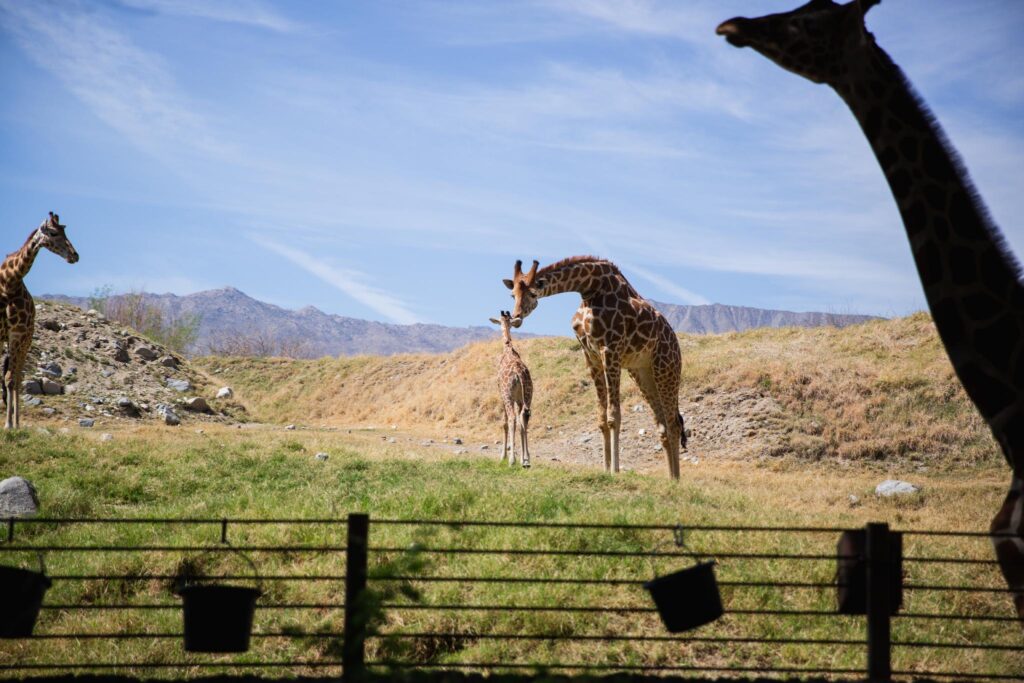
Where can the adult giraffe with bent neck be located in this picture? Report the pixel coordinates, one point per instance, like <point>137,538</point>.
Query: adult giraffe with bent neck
<point>971,281</point>
<point>617,329</point>
<point>18,311</point>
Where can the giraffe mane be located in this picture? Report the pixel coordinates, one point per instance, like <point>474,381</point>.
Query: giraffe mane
<point>573,260</point>
<point>960,169</point>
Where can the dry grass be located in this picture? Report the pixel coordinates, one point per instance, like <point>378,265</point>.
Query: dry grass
<point>882,391</point>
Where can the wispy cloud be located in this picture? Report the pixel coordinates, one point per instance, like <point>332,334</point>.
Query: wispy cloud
<point>640,16</point>
<point>246,12</point>
<point>127,87</point>
<point>351,282</point>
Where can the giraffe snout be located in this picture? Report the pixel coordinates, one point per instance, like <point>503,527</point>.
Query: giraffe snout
<point>734,32</point>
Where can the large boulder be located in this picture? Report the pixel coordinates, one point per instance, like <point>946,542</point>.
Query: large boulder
<point>197,404</point>
<point>895,487</point>
<point>181,385</point>
<point>225,392</point>
<point>145,353</point>
<point>18,498</point>
<point>52,387</point>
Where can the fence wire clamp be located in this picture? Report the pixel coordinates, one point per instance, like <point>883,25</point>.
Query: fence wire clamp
<point>679,535</point>
<point>10,529</point>
<point>224,530</point>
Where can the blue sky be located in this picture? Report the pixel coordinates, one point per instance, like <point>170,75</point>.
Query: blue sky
<point>391,160</point>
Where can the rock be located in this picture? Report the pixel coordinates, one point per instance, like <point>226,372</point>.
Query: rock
<point>641,432</point>
<point>169,362</point>
<point>225,392</point>
<point>392,440</point>
<point>145,353</point>
<point>107,372</point>
<point>52,388</point>
<point>86,422</point>
<point>393,427</point>
<point>71,389</point>
<point>203,431</point>
<point>197,404</point>
<point>854,500</point>
<point>638,408</point>
<point>18,498</point>
<point>321,457</point>
<point>461,451</point>
<point>484,447</point>
<point>290,428</point>
<point>121,354</point>
<point>181,385</point>
<point>32,387</point>
<point>895,487</point>
<point>33,401</point>
<point>106,437</point>
<point>51,324</point>
<point>93,313</point>
<point>128,406</point>
<point>586,439</point>
<point>49,411</point>
<point>457,441</point>
<point>170,417</point>
<point>51,369</point>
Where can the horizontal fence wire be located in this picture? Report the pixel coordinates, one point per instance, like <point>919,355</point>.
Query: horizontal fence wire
<point>730,557</point>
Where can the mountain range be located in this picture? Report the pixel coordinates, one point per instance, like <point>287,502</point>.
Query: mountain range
<point>231,322</point>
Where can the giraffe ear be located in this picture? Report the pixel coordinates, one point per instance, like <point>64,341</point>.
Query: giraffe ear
<point>495,321</point>
<point>509,283</point>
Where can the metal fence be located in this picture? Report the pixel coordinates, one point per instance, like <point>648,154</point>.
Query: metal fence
<point>341,597</point>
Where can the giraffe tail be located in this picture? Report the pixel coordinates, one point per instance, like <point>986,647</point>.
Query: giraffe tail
<point>682,431</point>
<point>526,417</point>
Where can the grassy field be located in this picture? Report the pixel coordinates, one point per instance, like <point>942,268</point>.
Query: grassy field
<point>265,471</point>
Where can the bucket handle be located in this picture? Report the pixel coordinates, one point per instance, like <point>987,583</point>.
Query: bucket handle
<point>679,540</point>
<point>248,560</point>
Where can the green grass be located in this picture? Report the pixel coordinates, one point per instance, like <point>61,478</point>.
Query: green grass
<point>263,473</point>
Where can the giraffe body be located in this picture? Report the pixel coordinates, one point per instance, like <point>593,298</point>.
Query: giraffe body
<point>970,279</point>
<point>516,390</point>
<point>18,311</point>
<point>617,330</point>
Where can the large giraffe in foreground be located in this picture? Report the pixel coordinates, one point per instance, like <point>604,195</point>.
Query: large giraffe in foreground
<point>617,329</point>
<point>18,311</point>
<point>971,281</point>
<point>516,390</point>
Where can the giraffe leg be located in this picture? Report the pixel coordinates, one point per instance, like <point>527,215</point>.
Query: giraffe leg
<point>18,345</point>
<point>613,374</point>
<point>524,421</point>
<point>510,422</point>
<point>504,436</point>
<point>1010,551</point>
<point>665,415</point>
<point>597,375</point>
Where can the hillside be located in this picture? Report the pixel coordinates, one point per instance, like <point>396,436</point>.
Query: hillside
<point>880,391</point>
<point>84,367</point>
<point>229,316</point>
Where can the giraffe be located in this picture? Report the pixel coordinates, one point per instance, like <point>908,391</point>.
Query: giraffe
<point>617,329</point>
<point>971,281</point>
<point>18,311</point>
<point>516,390</point>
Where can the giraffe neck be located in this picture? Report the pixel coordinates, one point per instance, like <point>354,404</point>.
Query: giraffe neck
<point>16,266</point>
<point>584,277</point>
<point>970,280</point>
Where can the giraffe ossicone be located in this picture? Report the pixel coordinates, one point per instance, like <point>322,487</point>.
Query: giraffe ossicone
<point>971,281</point>
<point>18,311</point>
<point>617,329</point>
<point>515,387</point>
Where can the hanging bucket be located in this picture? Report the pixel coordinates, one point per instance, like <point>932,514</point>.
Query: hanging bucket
<point>852,572</point>
<point>218,618</point>
<point>687,598</point>
<point>21,596</point>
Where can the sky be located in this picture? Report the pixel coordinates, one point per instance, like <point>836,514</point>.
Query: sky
<point>390,160</point>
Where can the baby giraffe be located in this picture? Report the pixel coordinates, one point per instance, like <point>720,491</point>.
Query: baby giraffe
<point>516,390</point>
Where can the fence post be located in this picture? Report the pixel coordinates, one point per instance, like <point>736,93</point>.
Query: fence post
<point>879,601</point>
<point>354,640</point>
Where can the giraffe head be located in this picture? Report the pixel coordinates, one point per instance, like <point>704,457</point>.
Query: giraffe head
<point>51,235</point>
<point>505,322</point>
<point>813,41</point>
<point>526,288</point>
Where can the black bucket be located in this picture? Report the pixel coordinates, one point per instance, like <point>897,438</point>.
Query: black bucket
<point>218,618</point>
<point>687,598</point>
<point>21,596</point>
